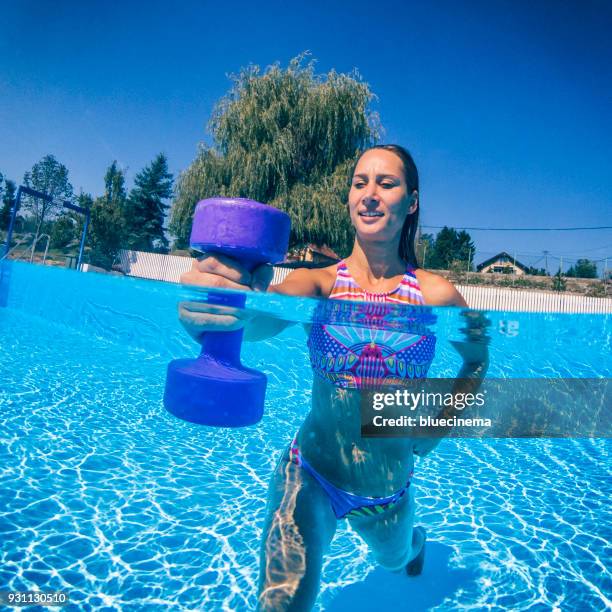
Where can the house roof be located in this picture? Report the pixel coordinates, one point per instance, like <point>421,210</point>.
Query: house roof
<point>323,253</point>
<point>323,249</point>
<point>493,259</point>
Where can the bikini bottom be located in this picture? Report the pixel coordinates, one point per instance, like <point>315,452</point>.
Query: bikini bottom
<point>345,504</point>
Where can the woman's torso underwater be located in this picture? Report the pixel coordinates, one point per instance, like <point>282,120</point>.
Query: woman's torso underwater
<point>357,350</point>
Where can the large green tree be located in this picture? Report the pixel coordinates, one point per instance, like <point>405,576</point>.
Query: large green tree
<point>287,137</point>
<point>107,228</point>
<point>146,207</point>
<point>50,177</point>
<point>584,268</point>
<point>451,246</point>
<point>114,186</point>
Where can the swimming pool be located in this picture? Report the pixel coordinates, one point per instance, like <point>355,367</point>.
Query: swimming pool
<point>105,495</point>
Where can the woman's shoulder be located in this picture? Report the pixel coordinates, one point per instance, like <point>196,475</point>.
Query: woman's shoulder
<point>437,291</point>
<point>308,282</point>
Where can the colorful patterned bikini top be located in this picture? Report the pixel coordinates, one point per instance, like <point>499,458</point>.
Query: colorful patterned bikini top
<point>368,345</point>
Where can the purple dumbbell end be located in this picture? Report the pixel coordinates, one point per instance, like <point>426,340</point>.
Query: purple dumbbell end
<point>216,389</point>
<point>245,230</point>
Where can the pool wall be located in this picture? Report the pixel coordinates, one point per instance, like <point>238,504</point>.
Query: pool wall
<point>106,306</point>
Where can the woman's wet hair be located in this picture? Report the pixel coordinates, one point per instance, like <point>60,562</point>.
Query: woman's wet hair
<point>407,249</point>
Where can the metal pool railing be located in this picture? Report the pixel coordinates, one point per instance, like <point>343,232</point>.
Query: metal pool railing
<point>169,268</point>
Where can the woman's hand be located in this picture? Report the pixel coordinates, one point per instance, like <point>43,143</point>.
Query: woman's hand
<point>227,273</point>
<point>218,271</point>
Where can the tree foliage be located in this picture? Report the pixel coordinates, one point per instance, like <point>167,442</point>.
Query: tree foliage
<point>146,207</point>
<point>50,177</point>
<point>451,247</point>
<point>287,137</point>
<point>5,210</point>
<point>8,199</point>
<point>424,248</point>
<point>558,282</point>
<point>107,218</point>
<point>63,231</point>
<point>114,186</point>
<point>584,268</point>
<point>536,271</point>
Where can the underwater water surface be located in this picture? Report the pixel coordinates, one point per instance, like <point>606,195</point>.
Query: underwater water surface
<point>107,496</point>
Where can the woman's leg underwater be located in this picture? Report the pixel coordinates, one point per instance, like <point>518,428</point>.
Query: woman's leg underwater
<point>392,537</point>
<point>299,528</point>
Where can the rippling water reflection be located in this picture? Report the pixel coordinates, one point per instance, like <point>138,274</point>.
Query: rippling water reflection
<point>107,496</point>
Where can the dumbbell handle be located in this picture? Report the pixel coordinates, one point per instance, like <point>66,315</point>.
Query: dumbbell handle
<point>224,346</point>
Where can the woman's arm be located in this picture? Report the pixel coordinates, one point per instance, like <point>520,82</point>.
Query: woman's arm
<point>474,352</point>
<point>219,271</point>
<point>437,291</point>
<point>301,282</point>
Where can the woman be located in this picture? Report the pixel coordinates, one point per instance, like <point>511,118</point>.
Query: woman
<point>330,471</point>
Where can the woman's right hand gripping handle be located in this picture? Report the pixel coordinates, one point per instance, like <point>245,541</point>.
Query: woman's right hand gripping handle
<point>218,271</point>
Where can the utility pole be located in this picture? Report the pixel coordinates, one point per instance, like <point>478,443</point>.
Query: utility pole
<point>424,252</point>
<point>467,269</point>
<point>546,256</point>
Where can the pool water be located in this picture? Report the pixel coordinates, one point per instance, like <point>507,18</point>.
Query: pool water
<point>105,495</point>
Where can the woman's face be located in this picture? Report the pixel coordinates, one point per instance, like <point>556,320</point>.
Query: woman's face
<point>379,200</point>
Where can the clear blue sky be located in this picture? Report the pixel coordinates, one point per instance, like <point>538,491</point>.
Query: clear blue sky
<point>505,105</point>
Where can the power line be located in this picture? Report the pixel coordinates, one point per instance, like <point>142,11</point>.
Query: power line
<point>568,260</point>
<point>527,256</point>
<point>583,251</point>
<point>522,229</point>
<point>538,256</point>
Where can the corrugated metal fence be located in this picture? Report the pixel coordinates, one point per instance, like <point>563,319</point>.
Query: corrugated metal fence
<point>169,268</point>
<point>498,298</point>
<point>155,266</point>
